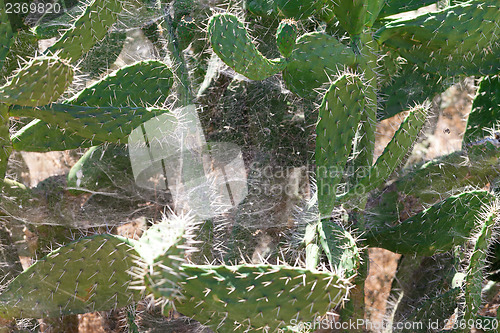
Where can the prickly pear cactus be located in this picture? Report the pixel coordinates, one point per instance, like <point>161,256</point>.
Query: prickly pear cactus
<point>350,57</point>
<point>84,276</point>
<point>272,297</point>
<point>39,82</point>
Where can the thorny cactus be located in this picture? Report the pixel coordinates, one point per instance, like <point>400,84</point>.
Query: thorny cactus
<point>359,63</point>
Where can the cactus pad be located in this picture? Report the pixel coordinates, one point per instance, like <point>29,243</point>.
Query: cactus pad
<point>83,276</point>
<point>139,84</point>
<point>460,40</point>
<point>316,58</point>
<point>352,15</point>
<point>6,34</point>
<point>485,111</point>
<point>340,248</point>
<point>233,45</point>
<point>286,34</point>
<point>39,136</point>
<point>436,229</point>
<point>474,273</point>
<point>258,296</point>
<point>105,124</point>
<point>40,82</point>
<point>163,248</point>
<point>88,29</point>
<point>339,116</point>
<point>120,88</point>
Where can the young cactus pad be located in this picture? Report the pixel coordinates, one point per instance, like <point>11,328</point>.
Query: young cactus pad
<point>84,276</point>
<point>162,249</point>
<point>257,296</point>
<point>286,34</point>
<point>339,116</point>
<point>485,109</point>
<point>316,58</point>
<point>477,261</point>
<point>233,45</point>
<point>39,82</point>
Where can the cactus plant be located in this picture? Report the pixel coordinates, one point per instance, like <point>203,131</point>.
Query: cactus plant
<point>360,56</point>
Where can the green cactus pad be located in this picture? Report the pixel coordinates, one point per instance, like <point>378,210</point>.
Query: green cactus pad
<point>105,124</point>
<point>351,15</point>
<point>137,84</point>
<point>286,34</point>
<point>474,274</point>
<point>340,248</point>
<point>298,9</point>
<point>140,84</point>
<point>187,31</point>
<point>233,45</point>
<point>6,34</point>
<point>459,40</point>
<point>257,296</point>
<point>485,111</point>
<point>39,136</point>
<point>393,155</point>
<point>373,10</point>
<point>84,276</point>
<point>425,184</point>
<point>5,143</point>
<point>315,60</point>
<point>88,29</point>
<point>40,82</point>
<point>339,116</point>
<point>163,248</point>
<point>436,229</point>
